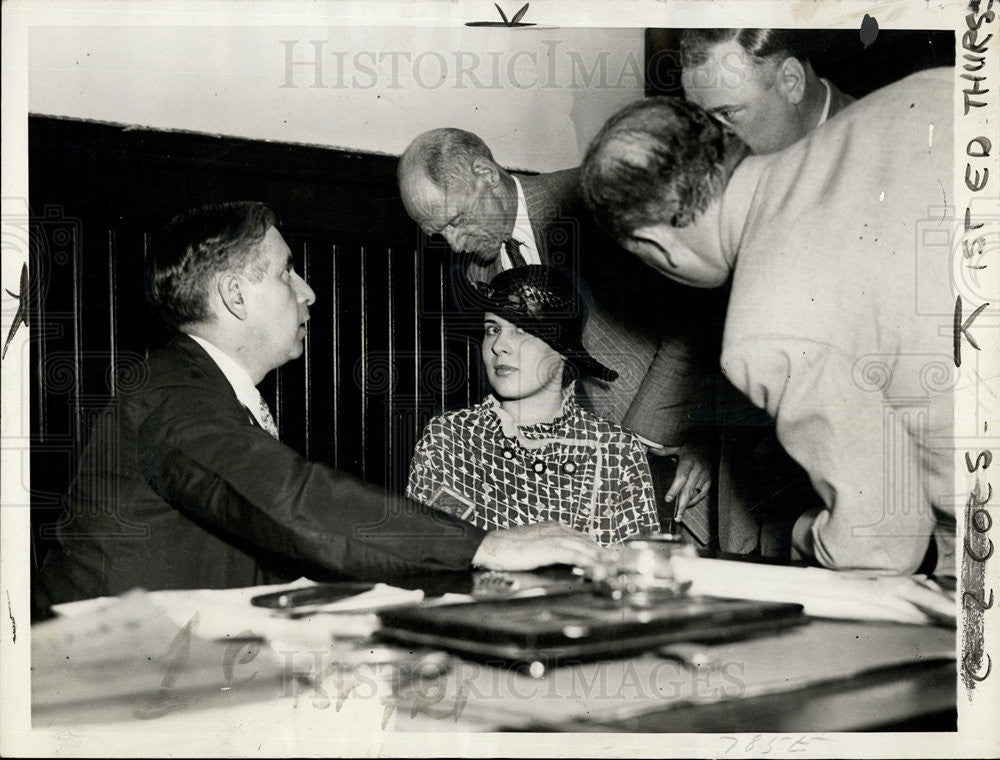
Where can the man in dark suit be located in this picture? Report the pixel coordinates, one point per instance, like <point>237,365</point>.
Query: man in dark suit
<point>494,220</point>
<point>184,483</point>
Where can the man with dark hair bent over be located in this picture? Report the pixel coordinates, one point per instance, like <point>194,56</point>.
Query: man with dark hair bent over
<point>192,457</point>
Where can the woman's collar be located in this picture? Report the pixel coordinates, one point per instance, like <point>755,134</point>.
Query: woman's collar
<point>510,427</point>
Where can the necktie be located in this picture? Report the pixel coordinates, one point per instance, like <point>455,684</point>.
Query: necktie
<point>266,420</point>
<point>512,247</point>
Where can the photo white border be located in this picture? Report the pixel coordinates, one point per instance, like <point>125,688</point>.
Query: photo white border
<point>978,732</point>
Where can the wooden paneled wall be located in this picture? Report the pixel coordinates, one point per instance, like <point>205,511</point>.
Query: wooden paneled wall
<point>382,355</point>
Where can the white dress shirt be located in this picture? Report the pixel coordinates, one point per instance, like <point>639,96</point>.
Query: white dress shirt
<point>522,233</point>
<point>238,377</point>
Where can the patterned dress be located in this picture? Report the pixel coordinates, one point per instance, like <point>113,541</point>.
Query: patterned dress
<point>583,471</point>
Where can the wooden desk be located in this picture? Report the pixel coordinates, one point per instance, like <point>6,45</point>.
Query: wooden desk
<point>911,697</point>
<point>824,676</point>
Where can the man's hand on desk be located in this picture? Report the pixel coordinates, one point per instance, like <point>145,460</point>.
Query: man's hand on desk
<point>529,546</point>
<point>692,479</point>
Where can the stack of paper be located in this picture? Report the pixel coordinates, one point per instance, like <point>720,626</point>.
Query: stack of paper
<point>228,613</point>
<point>822,593</point>
<point>128,660</point>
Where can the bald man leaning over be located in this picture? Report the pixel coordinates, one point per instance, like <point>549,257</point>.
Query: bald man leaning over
<point>494,220</point>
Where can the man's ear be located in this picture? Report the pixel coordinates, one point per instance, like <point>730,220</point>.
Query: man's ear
<point>485,171</point>
<point>230,289</point>
<point>791,81</point>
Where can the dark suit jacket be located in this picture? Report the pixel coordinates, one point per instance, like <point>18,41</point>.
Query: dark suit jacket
<point>178,488</point>
<point>641,325</point>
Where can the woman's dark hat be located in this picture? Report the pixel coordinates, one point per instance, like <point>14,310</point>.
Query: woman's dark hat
<point>542,301</point>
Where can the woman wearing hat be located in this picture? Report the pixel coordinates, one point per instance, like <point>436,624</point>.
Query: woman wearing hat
<point>529,453</point>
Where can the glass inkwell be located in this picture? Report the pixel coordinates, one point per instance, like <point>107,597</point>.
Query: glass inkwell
<point>640,571</point>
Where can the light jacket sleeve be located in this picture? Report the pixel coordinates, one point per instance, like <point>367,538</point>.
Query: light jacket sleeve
<point>860,457</point>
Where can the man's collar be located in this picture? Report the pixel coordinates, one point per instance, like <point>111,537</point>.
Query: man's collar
<point>829,99</point>
<point>522,231</point>
<point>522,204</point>
<point>238,377</point>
